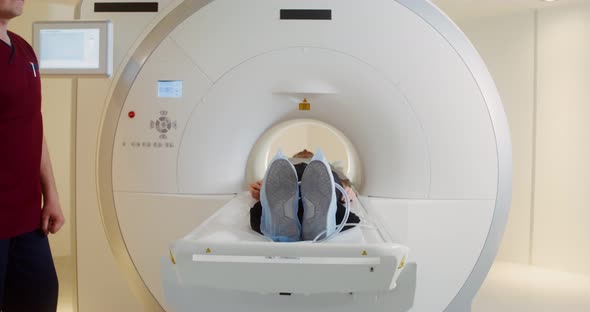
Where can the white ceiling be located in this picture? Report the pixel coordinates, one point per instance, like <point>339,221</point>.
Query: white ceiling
<point>459,9</point>
<point>467,9</point>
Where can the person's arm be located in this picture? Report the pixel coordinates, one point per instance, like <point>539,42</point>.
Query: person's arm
<point>52,218</point>
<point>345,183</point>
<point>350,192</point>
<point>255,189</point>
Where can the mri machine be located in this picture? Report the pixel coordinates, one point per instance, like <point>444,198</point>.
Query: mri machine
<point>167,146</point>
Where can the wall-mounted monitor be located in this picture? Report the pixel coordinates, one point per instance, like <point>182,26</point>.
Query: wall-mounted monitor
<point>74,48</point>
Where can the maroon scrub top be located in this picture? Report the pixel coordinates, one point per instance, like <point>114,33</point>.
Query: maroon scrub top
<point>21,138</point>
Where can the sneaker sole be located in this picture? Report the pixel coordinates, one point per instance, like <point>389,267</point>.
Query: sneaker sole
<point>281,189</point>
<point>317,188</point>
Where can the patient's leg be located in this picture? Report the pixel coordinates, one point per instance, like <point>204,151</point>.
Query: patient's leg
<point>255,215</point>
<point>352,218</point>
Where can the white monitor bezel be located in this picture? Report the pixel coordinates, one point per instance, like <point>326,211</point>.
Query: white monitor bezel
<point>105,65</point>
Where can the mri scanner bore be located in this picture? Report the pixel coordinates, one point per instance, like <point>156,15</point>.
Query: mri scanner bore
<point>397,82</point>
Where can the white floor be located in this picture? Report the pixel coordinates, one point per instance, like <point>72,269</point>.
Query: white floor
<point>508,288</point>
<point>520,288</point>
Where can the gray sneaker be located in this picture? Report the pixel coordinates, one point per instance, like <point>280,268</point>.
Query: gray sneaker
<point>319,199</point>
<point>279,197</point>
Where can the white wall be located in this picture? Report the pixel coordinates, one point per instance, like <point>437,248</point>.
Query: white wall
<point>552,223</point>
<point>562,209</point>
<point>57,115</point>
<point>507,46</point>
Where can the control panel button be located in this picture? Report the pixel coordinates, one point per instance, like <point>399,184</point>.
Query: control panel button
<point>163,124</point>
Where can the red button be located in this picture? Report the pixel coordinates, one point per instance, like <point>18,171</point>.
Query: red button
<point>131,114</point>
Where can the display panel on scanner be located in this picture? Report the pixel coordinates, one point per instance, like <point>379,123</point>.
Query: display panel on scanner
<point>82,48</point>
<point>73,47</point>
<point>169,88</point>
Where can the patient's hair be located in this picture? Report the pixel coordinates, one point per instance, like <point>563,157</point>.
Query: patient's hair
<point>305,154</point>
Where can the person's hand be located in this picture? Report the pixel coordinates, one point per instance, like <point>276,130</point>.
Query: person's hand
<point>255,189</point>
<point>52,218</point>
<point>351,194</point>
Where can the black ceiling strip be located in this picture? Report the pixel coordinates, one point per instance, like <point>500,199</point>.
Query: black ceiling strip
<point>299,14</point>
<point>126,7</point>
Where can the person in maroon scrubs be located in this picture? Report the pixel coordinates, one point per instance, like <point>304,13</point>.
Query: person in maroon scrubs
<point>29,204</point>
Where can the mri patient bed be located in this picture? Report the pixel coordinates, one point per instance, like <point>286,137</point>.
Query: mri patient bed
<point>225,253</point>
<point>203,87</point>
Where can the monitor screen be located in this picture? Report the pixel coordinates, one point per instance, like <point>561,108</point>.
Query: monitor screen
<point>69,48</point>
<point>74,48</point>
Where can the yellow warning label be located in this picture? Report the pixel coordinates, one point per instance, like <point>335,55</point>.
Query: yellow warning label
<point>401,264</point>
<point>364,252</point>
<point>172,257</point>
<point>305,105</point>
<point>208,250</point>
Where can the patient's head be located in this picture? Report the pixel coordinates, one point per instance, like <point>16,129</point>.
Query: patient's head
<point>303,154</point>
